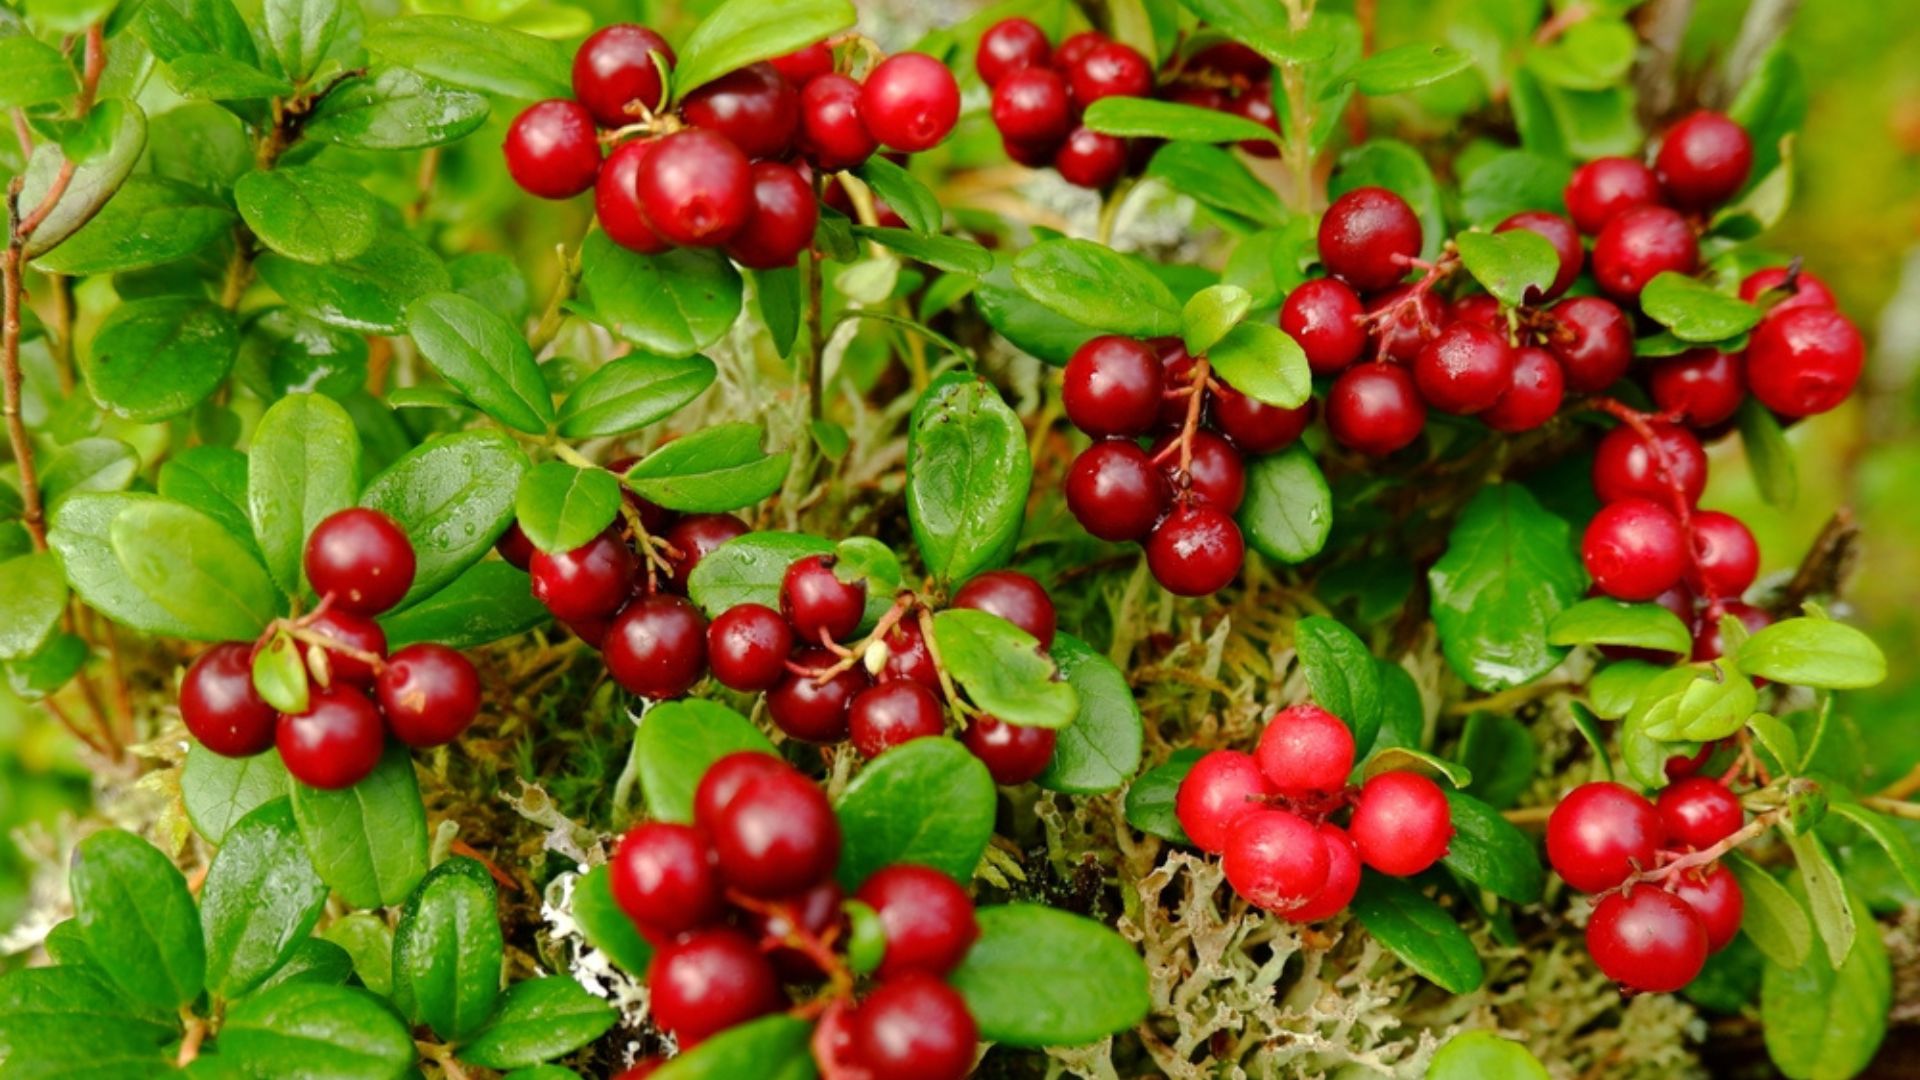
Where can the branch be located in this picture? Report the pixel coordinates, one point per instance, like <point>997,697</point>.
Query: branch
<point>1662,25</point>
<point>1766,20</point>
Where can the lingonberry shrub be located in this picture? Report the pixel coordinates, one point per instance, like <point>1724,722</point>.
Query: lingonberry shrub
<point>998,545</point>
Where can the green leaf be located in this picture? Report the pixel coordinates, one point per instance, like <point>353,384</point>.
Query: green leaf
<point>155,359</point>
<point>490,602</point>
<point>49,668</point>
<point>454,497</point>
<point>219,791</point>
<point>448,951</point>
<point>539,1019</point>
<point>367,293</point>
<point>627,394</point>
<point>1139,117</point>
<point>483,356</point>
<point>1508,570</point>
<point>968,474</point>
<point>1100,750</point>
<point>261,899</point>
<point>1215,178</point>
<point>1827,1024</point>
<point>1899,849</point>
<point>1210,313</point>
<point>365,937</point>
<point>1002,670</point>
<point>1097,287</point>
<point>954,254</point>
<point>308,214</point>
<point>33,593</point>
<point>67,1008</point>
<point>1482,1055</point>
<point>676,742</point>
<point>37,73</point>
<point>1288,512</point>
<point>1420,932</point>
<point>1512,181</point>
<point>561,507</point>
<point>1510,264</point>
<point>1024,321</point>
<point>1150,798</point>
<point>79,533</point>
<point>182,561</point>
<point>673,304</point>
<point>1592,54</point>
<point>1342,674</point>
<point>475,55</point>
<point>1814,652</point>
<point>1773,919</point>
<point>1264,363</point>
<point>1600,621</point>
<point>280,674</point>
<point>1500,750</point>
<point>1708,708</point>
<point>396,109</point>
<point>313,960</point>
<point>368,841</point>
<point>1826,896</point>
<point>1694,310</point>
<point>122,128</point>
<point>1775,471</point>
<point>304,467</point>
<point>1492,852</point>
<point>1408,67</point>
<point>720,468</point>
<point>1388,759</point>
<point>748,570</point>
<point>87,465</point>
<point>301,32</point>
<point>316,1030</point>
<point>216,77</point>
<point>149,221</point>
<point>917,206</point>
<point>927,801</point>
<point>605,926</point>
<point>1040,977</point>
<point>132,905</point>
<point>770,1048</point>
<point>740,32</point>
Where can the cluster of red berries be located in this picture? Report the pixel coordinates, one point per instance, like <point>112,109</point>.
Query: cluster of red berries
<point>1666,902</point>
<point>360,564</point>
<point>885,692</point>
<point>743,903</point>
<point>733,168</point>
<point>1178,496</point>
<point>1267,815</point>
<point>1040,92</point>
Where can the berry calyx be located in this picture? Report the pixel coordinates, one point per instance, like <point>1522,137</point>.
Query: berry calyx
<point>1634,550</point>
<point>1699,812</point>
<point>908,656</point>
<point>429,693</point>
<point>552,149</point>
<point>776,836</point>
<point>1367,236</point>
<point>362,559</point>
<point>657,647</point>
<point>909,102</point>
<point>1014,597</point>
<point>928,919</point>
<point>884,716</point>
<point>335,743</point>
<point>747,647</point>
<point>1401,824</point>
<point>1276,860</point>
<point>1013,753</point>
<point>818,603</point>
<point>349,631</point>
<point>614,73</point>
<point>709,981</point>
<point>662,876</point>
<point>1647,939</point>
<point>1113,386</point>
<point>695,188</point>
<point>1223,787</point>
<point>1600,833</point>
<point>1197,550</point>
<point>1305,749</point>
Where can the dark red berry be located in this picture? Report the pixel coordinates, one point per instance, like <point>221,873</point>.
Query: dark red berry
<point>361,558</point>
<point>589,582</point>
<point>1647,939</point>
<point>515,548</point>
<point>697,536</point>
<point>1232,60</point>
<point>1305,749</point>
<point>663,878</point>
<point>1256,104</point>
<point>1013,754</point>
<point>1564,237</point>
<point>1030,106</point>
<point>1638,245</point>
<point>1534,396</point>
<point>1200,97</point>
<point>1708,643</point>
<point>615,69</point>
<point>1806,290</point>
<point>1407,320</point>
<point>808,709</point>
<point>908,656</point>
<point>1116,492</point>
<point>1626,466</point>
<point>1255,426</point>
<point>1215,475</point>
<point>1276,860</point>
<point>1343,877</point>
<point>747,647</point>
<point>351,632</point>
<point>1714,895</point>
<point>429,693</point>
<point>1704,388</point>
<point>1367,236</point>
<point>710,981</point>
<point>909,102</point>
<point>335,743</point>
<point>754,107</point>
<point>804,64</point>
<point>1634,549</point>
<point>724,779</point>
<point>1726,558</point>
<point>1681,766</point>
<point>1091,159</point>
<point>884,716</point>
<point>1465,369</point>
<point>1604,187</point>
<point>1223,787</point>
<point>1075,49</point>
<point>695,188</point>
<point>1110,69</point>
<point>831,131</point>
<point>1699,812</point>
<point>1593,339</point>
<point>818,603</point>
<point>780,925</point>
<point>927,916</point>
<point>782,222</point>
<point>776,836</point>
<point>915,1028</point>
<point>657,647</point>
<point>1703,160</point>
<point>1014,597</point>
<point>1197,550</point>
<point>220,705</point>
<point>552,149</point>
<point>1478,308</point>
<point>1323,316</point>
<point>1008,46</point>
<point>1032,155</point>
<point>1804,361</point>
<point>1177,371</point>
<point>1600,833</point>
<point>1113,386</point>
<point>616,200</point>
<point>1401,824</point>
<point>1375,409</point>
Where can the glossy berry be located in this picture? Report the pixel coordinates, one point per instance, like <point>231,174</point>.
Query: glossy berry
<point>928,919</point>
<point>335,743</point>
<point>1401,824</point>
<point>747,647</point>
<point>657,647</point>
<point>1323,316</point>
<point>1197,550</point>
<point>1465,369</point>
<point>1223,787</point>
<point>1600,833</point>
<point>710,981</point>
<point>1012,753</point>
<point>1627,466</point>
<point>908,656</point>
<point>1031,106</point>
<point>884,716</point>
<point>818,603</point>
<point>514,547</point>
<point>1804,361</point>
<point>616,200</point>
<point>1647,939</point>
<point>1215,475</point>
<point>552,149</point>
<point>1375,409</point>
<point>696,536</point>
<point>1367,236</point>
<point>1703,160</point>
<point>776,836</point>
<point>1305,749</point>
<point>1714,895</point>
<point>1033,155</point>
<point>782,221</point>
<point>1276,860</point>
<point>615,69</point>
<point>1533,397</point>
<point>756,108</point>
<point>1256,427</point>
<point>1343,877</point>
<point>909,102</point>
<point>1014,597</point>
<point>914,1028</point>
<point>1640,244</point>
<point>808,709</point>
<point>1009,45</point>
<point>804,64</point>
<point>429,693</point>
<point>696,188</point>
<point>352,632</point>
<point>220,706</point>
<point>1075,49</point>
<point>1593,339</point>
<point>1699,812</point>
<point>1110,69</point>
<point>817,911</point>
<point>1565,238</point>
<point>361,558</point>
<point>1091,159</point>
<point>831,131</point>
<point>1704,387</point>
<point>1806,290</point>
<point>724,779</point>
<point>1604,187</point>
<point>588,582</point>
<point>1478,308</point>
<point>1407,320</point>
<point>1634,550</point>
<point>1116,492</point>
<point>1681,766</point>
<point>1256,104</point>
<point>663,878</point>
<point>1726,558</point>
<point>1112,386</point>
<point>1708,641</point>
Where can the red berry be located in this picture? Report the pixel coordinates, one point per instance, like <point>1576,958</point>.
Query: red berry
<point>1014,597</point>
<point>1197,550</point>
<point>1534,396</point>
<point>1009,45</point>
<point>1641,243</point>
<point>552,149</point>
<point>362,559</point>
<point>915,1028</point>
<point>1401,824</point>
<point>724,779</point>
<point>1699,812</point>
<point>1012,753</point>
<point>1807,290</point>
<point>1367,236</point>
<point>781,224</point>
<point>754,107</point>
<point>1478,308</point>
<point>663,878</point>
<point>927,916</point>
<point>910,101</point>
<point>1232,60</point>
<point>1116,492</point>
<point>1113,386</point>
<point>1647,940</point>
<point>614,69</point>
<point>335,743</point>
<point>1465,369</point>
<point>1200,97</point>
<point>1625,466</point>
<point>1216,475</point>
<point>1276,860</point>
<point>908,656</point>
<point>616,200</point>
<point>220,705</point>
<point>1256,104</point>
<point>1593,339</point>
<point>1726,558</point>
<point>1223,787</point>
<point>429,693</point>
<point>1681,766</point>
<point>1707,640</point>
<point>1704,160</point>
<point>1604,187</point>
<point>514,547</point>
<point>808,709</point>
<point>710,981</point>
<point>1305,749</point>
<point>831,131</point>
<point>1032,155</point>
<point>747,647</point>
<point>1704,388</point>
<point>1343,877</point>
<point>1177,369</point>
<point>657,647</point>
<point>884,716</point>
<point>817,911</point>
<point>1804,361</point>
<point>1714,895</point>
<point>1110,69</point>
<point>1030,106</point>
<point>818,603</point>
<point>1375,409</point>
<point>1634,549</point>
<point>590,581</point>
<point>804,64</point>
<point>776,836</point>
<point>1600,833</point>
<point>1565,239</point>
<point>1407,321</point>
<point>1091,159</point>
<point>696,188</point>
<point>1255,426</point>
<point>697,536</point>
<point>1075,49</point>
<point>352,632</point>
<point>1323,316</point>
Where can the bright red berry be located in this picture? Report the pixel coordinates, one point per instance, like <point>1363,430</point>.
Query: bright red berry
<point>1726,558</point>
<point>831,131</point>
<point>1634,549</point>
<point>1215,474</point>
<point>1640,244</point>
<point>361,558</point>
<point>1221,788</point>
<point>1704,388</point>
<point>1031,106</point>
<point>1116,492</point>
<point>1401,824</point>
<point>1593,339</point>
<point>1604,187</point>
<point>1323,316</point>
<point>355,632</point>
<point>588,582</point>
<point>818,603</point>
<point>1110,69</point>
<point>724,779</point>
<point>1627,466</point>
<point>1305,749</point>
<point>220,705</point>
<point>1113,386</point>
<point>908,656</point>
<point>884,716</point>
<point>1406,320</point>
<point>1647,939</point>
<point>616,200</point>
<point>663,878</point>
<point>754,107</point>
<point>1600,833</point>
<point>781,224</point>
<point>1075,49</point>
<point>1805,291</point>
<point>1012,753</point>
<point>696,536</point>
<point>1197,550</point>
<point>1478,308</point>
<point>1534,396</point>
<point>696,188</point>
<point>1804,361</point>
<point>1714,895</point>
<point>710,981</point>
<point>915,1028</point>
<point>910,101</point>
<point>1367,236</point>
<point>1465,369</point>
<point>1703,160</point>
<point>429,693</point>
<point>1091,159</point>
<point>1276,860</point>
<point>748,646</point>
<point>1699,812</point>
<point>927,916</point>
<point>1009,45</point>
<point>657,647</point>
<point>615,69</point>
<point>1375,409</point>
<point>1343,877</point>
<point>1564,237</point>
<point>1256,427</point>
<point>1014,597</point>
<point>552,149</point>
<point>804,64</point>
<point>808,709</point>
<point>334,744</point>
<point>776,836</point>
<point>1033,155</point>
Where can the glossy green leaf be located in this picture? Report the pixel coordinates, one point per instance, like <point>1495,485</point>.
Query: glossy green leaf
<point>1827,897</point>
<point>33,594</point>
<point>1775,472</point>
<point>676,742</point>
<point>1141,117</point>
<point>475,55</point>
<point>1002,670</point>
<point>1500,750</point>
<point>261,900</point>
<point>1100,750</point>
<point>1288,511</point>
<point>212,480</point>
<point>490,602</point>
<point>968,474</point>
<point>1492,852</point>
<point>1592,54</point>
<point>301,32</point>
<point>308,214</point>
<point>1215,178</point>
<point>673,304</point>
<point>561,507</point>
<point>1826,1024</point>
<point>37,72</point>
<point>954,254</point>
<point>369,841</point>
<point>1420,932</point>
<point>1882,830</point>
<point>1031,326</point>
<point>87,465</point>
<point>627,394</point>
<point>748,569</point>
<point>539,1019</point>
<point>1482,1055</point>
<point>720,468</point>
<point>368,293</point>
<point>79,532</point>
<point>121,127</point>
<point>927,801</point>
<point>395,109</point>
<point>366,938</point>
<point>217,77</point>
<point>448,950</point>
<point>770,1048</point>
<point>312,1029</point>
<point>149,221</point>
<point>1341,671</point>
<point>1694,310</point>
<point>740,32</point>
<point>132,905</point>
<point>917,206</point>
<point>304,467</point>
<point>1510,264</point>
<point>1097,287</point>
<point>313,960</point>
<point>1264,363</point>
<point>1773,918</point>
<point>1150,799</point>
<point>1041,977</point>
<point>483,356</point>
<point>454,497</point>
<point>1408,67</point>
<point>63,1008</point>
<point>605,926</point>
<point>1814,652</point>
<point>187,565</point>
<point>219,791</point>
<point>1508,570</point>
<point>1601,621</point>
